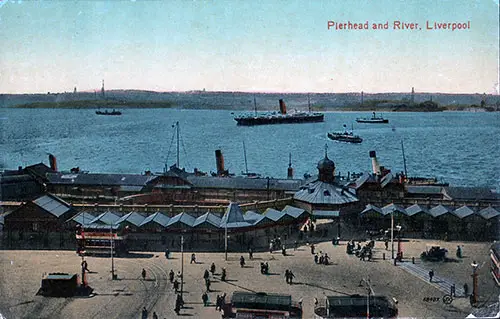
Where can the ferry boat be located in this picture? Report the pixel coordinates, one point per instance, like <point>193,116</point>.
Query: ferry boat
<point>106,112</point>
<point>279,118</point>
<point>373,119</point>
<point>345,136</point>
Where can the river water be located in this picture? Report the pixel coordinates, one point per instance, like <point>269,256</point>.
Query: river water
<point>461,148</point>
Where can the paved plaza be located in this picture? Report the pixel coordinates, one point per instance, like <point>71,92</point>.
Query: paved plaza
<point>21,273</point>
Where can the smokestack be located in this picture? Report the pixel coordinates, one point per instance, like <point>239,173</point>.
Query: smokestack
<point>375,165</point>
<point>290,168</point>
<point>219,160</point>
<point>53,162</point>
<point>282,107</point>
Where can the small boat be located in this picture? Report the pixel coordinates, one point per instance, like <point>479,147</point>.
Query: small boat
<point>373,119</point>
<point>348,137</point>
<point>106,112</point>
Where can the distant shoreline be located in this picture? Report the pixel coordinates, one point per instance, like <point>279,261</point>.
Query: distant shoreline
<point>113,104</point>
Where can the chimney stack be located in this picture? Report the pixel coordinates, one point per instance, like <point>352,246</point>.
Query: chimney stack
<point>375,165</point>
<point>53,162</point>
<point>282,107</point>
<point>219,160</point>
<point>290,168</point>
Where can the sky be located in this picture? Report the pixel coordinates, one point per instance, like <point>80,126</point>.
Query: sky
<point>252,46</point>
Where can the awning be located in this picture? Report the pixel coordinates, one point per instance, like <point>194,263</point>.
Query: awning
<point>325,214</point>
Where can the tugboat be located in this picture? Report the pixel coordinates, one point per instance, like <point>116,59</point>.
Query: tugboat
<point>372,119</point>
<point>279,118</point>
<point>348,137</point>
<point>106,112</point>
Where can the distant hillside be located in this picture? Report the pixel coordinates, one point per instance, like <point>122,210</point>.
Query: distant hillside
<point>244,101</point>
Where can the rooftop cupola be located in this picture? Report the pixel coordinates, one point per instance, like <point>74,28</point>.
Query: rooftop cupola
<point>326,169</point>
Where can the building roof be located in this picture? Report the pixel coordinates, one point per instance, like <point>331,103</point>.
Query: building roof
<point>233,214</point>
<point>83,218</point>
<point>388,209</point>
<point>274,214</point>
<point>52,204</point>
<point>364,178</point>
<point>325,214</point>
<point>463,211</point>
<point>439,210</point>
<point>134,218</point>
<point>425,190</point>
<point>157,218</point>
<point>251,216</point>
<point>388,178</point>
<point>107,218</point>
<point>99,179</point>
<point>39,169</point>
<point>488,212</point>
<point>239,182</point>
<point>183,218</point>
<point>470,193</point>
<point>293,211</point>
<point>371,208</point>
<point>416,209</point>
<point>207,218</point>
<point>319,192</point>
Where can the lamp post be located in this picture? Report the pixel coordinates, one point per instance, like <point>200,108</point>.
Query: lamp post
<point>392,234</point>
<point>182,265</point>
<point>475,267</point>
<point>225,241</point>
<point>112,258</point>
<point>370,291</point>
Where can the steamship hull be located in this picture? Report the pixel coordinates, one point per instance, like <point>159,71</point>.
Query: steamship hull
<point>372,120</point>
<point>280,119</point>
<point>341,137</point>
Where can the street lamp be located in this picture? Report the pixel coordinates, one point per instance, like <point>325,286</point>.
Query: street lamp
<point>182,265</point>
<point>225,241</point>
<point>392,234</point>
<point>370,290</point>
<point>475,267</point>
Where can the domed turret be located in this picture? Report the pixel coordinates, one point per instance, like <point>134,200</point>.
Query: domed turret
<point>326,170</point>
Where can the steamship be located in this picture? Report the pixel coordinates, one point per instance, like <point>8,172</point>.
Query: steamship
<point>279,118</point>
<point>345,136</point>
<point>373,119</point>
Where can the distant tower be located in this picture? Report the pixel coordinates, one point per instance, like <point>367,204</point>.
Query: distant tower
<point>361,98</point>
<point>102,90</point>
<point>290,168</point>
<point>412,95</point>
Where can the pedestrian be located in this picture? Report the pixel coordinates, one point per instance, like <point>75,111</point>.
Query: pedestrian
<point>295,245</point>
<point>452,290</point>
<point>217,303</point>
<point>242,261</point>
<point>287,274</point>
<point>144,313</point>
<point>155,316</point>
<point>223,274</point>
<point>316,258</point>
<point>177,308</point>
<point>386,245</point>
<point>459,252</point>
<point>176,286</point>
<point>325,259</point>
<point>431,274</point>
<point>207,284</point>
<point>290,276</point>
<point>193,258</point>
<point>143,274</point>
<point>167,253</point>
<point>250,253</point>
<point>171,275</point>
<point>212,268</point>
<point>206,275</point>
<point>283,250</point>
<point>271,247</point>
<point>321,259</point>
<point>204,298</point>
<point>312,249</point>
<point>315,302</point>
<point>466,290</point>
